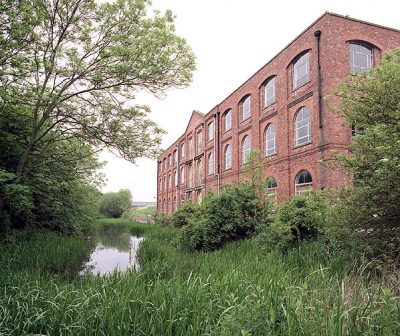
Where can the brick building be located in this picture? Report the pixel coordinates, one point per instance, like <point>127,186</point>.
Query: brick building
<point>280,110</point>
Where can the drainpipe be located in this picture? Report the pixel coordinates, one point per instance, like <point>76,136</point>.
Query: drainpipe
<point>317,34</point>
<point>217,157</point>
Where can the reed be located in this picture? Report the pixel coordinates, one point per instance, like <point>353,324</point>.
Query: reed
<point>238,290</point>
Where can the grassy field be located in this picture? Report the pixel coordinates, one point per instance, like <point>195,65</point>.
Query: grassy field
<point>239,290</point>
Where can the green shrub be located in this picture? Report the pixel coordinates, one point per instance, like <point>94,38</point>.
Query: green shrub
<point>163,219</point>
<point>232,215</point>
<point>302,218</point>
<point>184,214</point>
<point>113,204</point>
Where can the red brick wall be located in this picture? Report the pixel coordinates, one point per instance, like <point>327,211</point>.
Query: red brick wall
<point>336,33</point>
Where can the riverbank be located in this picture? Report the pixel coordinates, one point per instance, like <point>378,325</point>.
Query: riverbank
<point>238,290</point>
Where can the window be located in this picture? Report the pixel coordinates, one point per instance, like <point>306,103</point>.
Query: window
<point>303,183</point>
<point>160,184</point>
<point>175,156</point>
<point>227,120</point>
<point>271,188</point>
<point>190,148</point>
<point>301,70</point>
<point>360,58</point>
<point>246,147</point>
<point>182,151</point>
<point>165,183</point>
<point>210,164</point>
<point>228,157</point>
<point>303,126</point>
<point>182,175</point>
<point>199,142</point>
<point>270,140</point>
<point>169,181</point>
<point>176,178</point>
<point>164,163</point>
<point>169,160</point>
<point>211,131</point>
<point>245,108</point>
<point>269,92</point>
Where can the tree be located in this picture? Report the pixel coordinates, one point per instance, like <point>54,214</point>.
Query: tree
<point>372,103</point>
<point>74,65</point>
<point>114,204</point>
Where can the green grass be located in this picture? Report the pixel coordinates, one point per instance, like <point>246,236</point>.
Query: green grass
<point>239,290</point>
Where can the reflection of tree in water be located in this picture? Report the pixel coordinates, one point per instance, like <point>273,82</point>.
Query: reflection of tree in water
<point>114,238</point>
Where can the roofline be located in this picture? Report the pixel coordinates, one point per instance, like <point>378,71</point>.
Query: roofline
<point>276,55</point>
<point>295,39</point>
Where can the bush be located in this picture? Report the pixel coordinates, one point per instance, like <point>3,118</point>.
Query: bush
<point>184,214</point>
<point>232,215</point>
<point>113,204</point>
<point>302,218</point>
<point>163,219</point>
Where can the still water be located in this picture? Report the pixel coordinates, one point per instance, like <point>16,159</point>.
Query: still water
<point>115,250</point>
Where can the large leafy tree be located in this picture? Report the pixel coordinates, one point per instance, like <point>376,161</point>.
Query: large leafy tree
<point>371,102</point>
<point>69,73</point>
<point>76,65</point>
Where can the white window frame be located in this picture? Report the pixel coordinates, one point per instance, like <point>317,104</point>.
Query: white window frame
<point>302,61</point>
<point>303,121</point>
<point>353,53</point>
<point>210,131</point>
<point>270,139</point>
<point>271,190</point>
<point>210,161</point>
<point>246,107</point>
<point>228,157</point>
<point>228,116</point>
<point>305,187</point>
<point>269,98</point>
<point>246,148</point>
<point>182,150</point>
<point>182,175</point>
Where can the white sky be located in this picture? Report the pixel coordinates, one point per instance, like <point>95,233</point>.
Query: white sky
<point>231,40</point>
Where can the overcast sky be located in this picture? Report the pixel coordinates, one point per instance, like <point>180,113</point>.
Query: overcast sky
<point>231,40</point>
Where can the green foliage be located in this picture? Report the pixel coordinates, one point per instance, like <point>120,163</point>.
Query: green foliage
<point>231,215</point>
<point>302,218</point>
<point>371,102</point>
<point>114,204</point>
<point>163,219</point>
<point>238,290</point>
<point>185,214</point>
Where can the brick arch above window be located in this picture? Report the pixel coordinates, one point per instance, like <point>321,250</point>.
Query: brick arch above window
<point>300,69</point>
<point>245,107</point>
<point>227,120</point>
<point>268,91</point>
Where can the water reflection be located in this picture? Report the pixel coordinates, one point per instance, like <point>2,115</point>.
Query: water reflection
<point>115,250</point>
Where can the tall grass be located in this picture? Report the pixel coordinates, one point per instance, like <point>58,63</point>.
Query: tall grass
<point>238,290</point>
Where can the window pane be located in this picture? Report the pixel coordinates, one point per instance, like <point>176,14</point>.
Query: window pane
<point>269,92</point>
<point>360,58</point>
<point>246,108</point>
<point>301,71</point>
<point>227,121</point>
<point>228,157</point>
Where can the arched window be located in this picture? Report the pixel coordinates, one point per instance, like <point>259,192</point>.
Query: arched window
<point>210,164</point>
<point>169,160</point>
<point>244,107</point>
<point>361,58</point>
<point>176,178</point>
<point>228,157</point>
<point>169,181</point>
<point>270,140</point>
<point>269,92</point>
<point>160,184</point>
<point>190,148</point>
<point>199,142</point>
<point>227,120</point>
<point>211,130</point>
<point>303,126</point>
<point>182,175</point>
<point>301,70</point>
<point>165,183</point>
<point>182,150</point>
<point>246,147</point>
<point>271,188</point>
<point>175,156</point>
<point>303,182</point>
